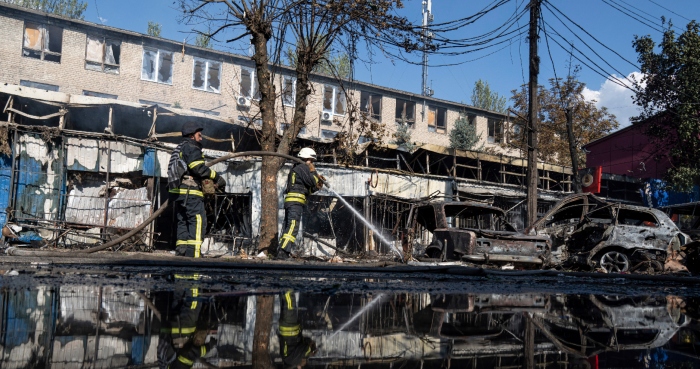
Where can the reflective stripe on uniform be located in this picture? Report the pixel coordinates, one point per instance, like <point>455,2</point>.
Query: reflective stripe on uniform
<point>185,360</point>
<point>194,243</point>
<point>184,191</point>
<point>198,237</point>
<point>195,163</point>
<point>290,331</point>
<point>186,330</point>
<point>295,197</point>
<point>203,351</point>
<point>287,237</point>
<point>288,298</point>
<point>212,174</point>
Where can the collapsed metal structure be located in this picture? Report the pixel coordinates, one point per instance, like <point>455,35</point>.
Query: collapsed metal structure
<point>79,170</point>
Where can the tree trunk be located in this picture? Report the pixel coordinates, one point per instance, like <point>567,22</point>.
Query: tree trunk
<point>263,325</point>
<point>270,165</point>
<point>572,150</point>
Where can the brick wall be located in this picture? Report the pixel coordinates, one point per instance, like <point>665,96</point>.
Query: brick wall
<point>72,77</point>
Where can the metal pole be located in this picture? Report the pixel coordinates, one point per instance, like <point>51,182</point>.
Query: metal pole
<point>532,175</point>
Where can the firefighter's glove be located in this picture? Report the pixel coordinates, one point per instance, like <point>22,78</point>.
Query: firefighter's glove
<point>221,183</point>
<point>212,341</point>
<point>312,348</point>
<point>321,181</point>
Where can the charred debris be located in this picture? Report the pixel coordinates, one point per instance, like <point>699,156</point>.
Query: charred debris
<point>78,171</point>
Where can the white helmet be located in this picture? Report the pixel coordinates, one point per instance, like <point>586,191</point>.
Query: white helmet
<point>307,153</point>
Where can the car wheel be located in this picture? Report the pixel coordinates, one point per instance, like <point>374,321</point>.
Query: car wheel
<point>614,262</point>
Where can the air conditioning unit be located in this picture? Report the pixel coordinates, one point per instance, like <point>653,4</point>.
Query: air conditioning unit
<point>243,101</point>
<point>326,116</point>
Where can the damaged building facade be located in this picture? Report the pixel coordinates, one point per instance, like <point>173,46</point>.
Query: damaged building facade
<point>90,114</point>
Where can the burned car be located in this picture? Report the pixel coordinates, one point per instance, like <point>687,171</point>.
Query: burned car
<point>586,230</point>
<point>474,232</point>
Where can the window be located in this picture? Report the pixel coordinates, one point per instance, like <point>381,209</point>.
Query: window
<point>495,131</point>
<point>102,54</point>
<point>157,66</point>
<point>364,139</point>
<point>288,90</point>
<point>99,94</point>
<point>325,133</point>
<point>285,126</point>
<point>249,85</point>
<point>151,103</point>
<point>39,85</point>
<point>371,104</point>
<point>333,100</point>
<point>206,75</point>
<point>247,120</point>
<point>210,112</point>
<point>405,111</point>
<point>42,41</point>
<point>437,118</point>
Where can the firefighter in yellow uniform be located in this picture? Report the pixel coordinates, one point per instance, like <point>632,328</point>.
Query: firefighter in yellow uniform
<point>295,349</point>
<point>186,171</point>
<point>302,181</point>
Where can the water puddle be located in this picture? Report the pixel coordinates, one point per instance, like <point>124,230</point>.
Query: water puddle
<point>188,323</point>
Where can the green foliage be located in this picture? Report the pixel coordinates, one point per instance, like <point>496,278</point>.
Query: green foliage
<point>203,40</point>
<point>463,136</point>
<point>484,98</point>
<point>588,122</point>
<point>668,95</point>
<point>331,65</point>
<point>67,8</point>
<point>154,29</point>
<point>402,136</point>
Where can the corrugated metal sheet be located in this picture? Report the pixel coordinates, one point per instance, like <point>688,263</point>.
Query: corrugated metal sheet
<point>91,155</point>
<point>39,178</point>
<point>5,174</point>
<point>127,209</point>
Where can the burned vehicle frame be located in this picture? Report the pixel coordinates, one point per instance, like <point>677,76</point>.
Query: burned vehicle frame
<point>474,232</point>
<point>586,230</point>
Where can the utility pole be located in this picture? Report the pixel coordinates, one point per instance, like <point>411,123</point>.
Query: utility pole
<point>426,37</point>
<point>532,124</point>
<point>572,147</point>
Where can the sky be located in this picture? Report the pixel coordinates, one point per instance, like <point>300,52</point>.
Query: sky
<point>603,31</point>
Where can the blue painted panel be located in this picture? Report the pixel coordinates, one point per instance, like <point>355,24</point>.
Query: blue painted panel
<point>5,173</point>
<point>151,166</point>
<point>656,193</point>
<point>137,350</point>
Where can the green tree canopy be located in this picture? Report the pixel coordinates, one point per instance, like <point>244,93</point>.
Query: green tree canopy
<point>484,98</point>
<point>463,136</point>
<point>589,123</point>
<point>668,95</point>
<point>67,8</point>
<point>154,29</point>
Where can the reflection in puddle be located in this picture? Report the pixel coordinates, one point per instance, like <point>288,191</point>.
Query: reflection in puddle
<point>75,326</point>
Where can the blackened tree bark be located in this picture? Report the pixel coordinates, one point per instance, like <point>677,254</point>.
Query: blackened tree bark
<point>263,326</point>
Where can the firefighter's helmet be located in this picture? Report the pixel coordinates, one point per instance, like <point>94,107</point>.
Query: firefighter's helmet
<point>307,153</point>
<point>190,128</point>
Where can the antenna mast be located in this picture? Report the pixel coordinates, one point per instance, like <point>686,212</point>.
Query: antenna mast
<point>426,37</point>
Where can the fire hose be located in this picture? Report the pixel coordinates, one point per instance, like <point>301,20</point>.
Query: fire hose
<point>156,214</point>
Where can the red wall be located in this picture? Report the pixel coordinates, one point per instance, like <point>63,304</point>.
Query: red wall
<point>628,152</point>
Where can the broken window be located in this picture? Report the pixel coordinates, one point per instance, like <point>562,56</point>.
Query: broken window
<point>152,103</point>
<point>39,85</point>
<point>405,111</point>
<point>249,85</point>
<point>102,54</point>
<point>288,90</point>
<point>325,133</point>
<point>437,118</point>
<point>636,218</point>
<point>209,112</point>
<point>495,131</point>
<point>285,126</point>
<point>99,94</point>
<point>371,104</point>
<point>206,75</point>
<point>42,41</point>
<point>157,66</point>
<point>333,100</point>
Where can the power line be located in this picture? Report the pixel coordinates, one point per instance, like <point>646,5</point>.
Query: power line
<point>631,16</point>
<point>667,9</point>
